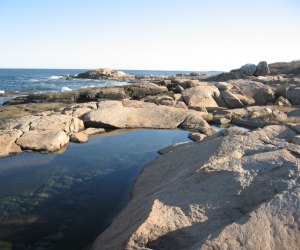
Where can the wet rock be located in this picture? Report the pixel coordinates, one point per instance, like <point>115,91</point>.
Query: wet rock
<point>139,91</point>
<point>49,141</point>
<point>136,114</point>
<point>7,142</point>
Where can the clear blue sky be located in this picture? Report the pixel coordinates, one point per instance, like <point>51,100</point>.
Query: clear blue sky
<point>147,34</point>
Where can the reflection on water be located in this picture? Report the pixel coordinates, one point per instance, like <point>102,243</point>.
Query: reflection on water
<point>64,201</point>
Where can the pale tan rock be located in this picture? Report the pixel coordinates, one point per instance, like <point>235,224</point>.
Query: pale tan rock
<point>281,101</point>
<point>197,137</point>
<point>7,142</point>
<point>65,123</point>
<point>79,137</point>
<point>201,96</point>
<point>49,140</point>
<point>229,192</point>
<point>136,114</point>
<point>93,131</point>
<point>275,131</point>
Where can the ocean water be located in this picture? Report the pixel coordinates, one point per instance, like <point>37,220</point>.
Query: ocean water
<point>64,201</point>
<point>17,81</point>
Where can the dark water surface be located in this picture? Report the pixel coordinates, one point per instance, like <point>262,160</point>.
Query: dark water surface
<point>64,201</point>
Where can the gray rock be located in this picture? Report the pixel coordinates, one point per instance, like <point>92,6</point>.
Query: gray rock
<point>296,140</point>
<point>262,69</point>
<point>248,69</point>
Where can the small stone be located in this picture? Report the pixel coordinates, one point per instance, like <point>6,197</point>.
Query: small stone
<point>79,137</point>
<point>94,131</point>
<point>197,137</point>
<point>219,120</point>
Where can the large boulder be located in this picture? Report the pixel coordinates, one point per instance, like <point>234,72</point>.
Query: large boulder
<point>234,192</point>
<point>54,121</point>
<point>49,141</point>
<point>136,114</point>
<point>248,69</point>
<point>201,97</point>
<point>262,69</point>
<point>260,93</point>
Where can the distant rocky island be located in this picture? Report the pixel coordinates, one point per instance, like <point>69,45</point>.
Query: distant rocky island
<point>237,188</point>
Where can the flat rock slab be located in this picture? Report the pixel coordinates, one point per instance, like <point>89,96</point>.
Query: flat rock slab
<point>136,114</point>
<point>49,141</point>
<point>232,191</point>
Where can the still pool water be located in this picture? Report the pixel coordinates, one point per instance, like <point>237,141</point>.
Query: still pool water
<point>64,201</point>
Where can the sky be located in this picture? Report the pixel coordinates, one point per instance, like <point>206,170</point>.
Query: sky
<point>147,34</point>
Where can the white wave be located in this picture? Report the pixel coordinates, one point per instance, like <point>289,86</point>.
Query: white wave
<point>2,92</point>
<point>33,80</point>
<point>55,77</point>
<point>64,89</point>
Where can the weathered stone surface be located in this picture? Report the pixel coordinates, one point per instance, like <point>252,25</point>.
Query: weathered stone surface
<point>65,123</point>
<point>231,99</point>
<point>201,96</point>
<point>257,116</point>
<point>49,141</point>
<point>79,137</point>
<point>296,139</point>
<point>275,131</point>
<point>7,142</point>
<point>234,192</point>
<point>262,69</point>
<point>136,114</point>
<point>259,92</point>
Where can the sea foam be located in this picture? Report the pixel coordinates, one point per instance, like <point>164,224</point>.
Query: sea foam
<point>2,92</point>
<point>64,89</point>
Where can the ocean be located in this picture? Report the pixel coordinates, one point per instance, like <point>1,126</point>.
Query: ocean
<point>17,81</point>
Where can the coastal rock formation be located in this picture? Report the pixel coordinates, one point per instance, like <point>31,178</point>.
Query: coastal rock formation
<point>102,74</point>
<point>49,141</point>
<point>137,114</point>
<point>201,97</point>
<point>236,190</point>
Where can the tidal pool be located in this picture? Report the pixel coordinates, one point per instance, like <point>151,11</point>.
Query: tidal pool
<point>64,201</point>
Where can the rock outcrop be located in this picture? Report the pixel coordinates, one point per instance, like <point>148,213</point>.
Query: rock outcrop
<point>233,190</point>
<point>137,114</point>
<point>102,73</point>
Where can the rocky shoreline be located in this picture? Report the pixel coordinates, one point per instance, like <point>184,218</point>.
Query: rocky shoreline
<point>196,195</point>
